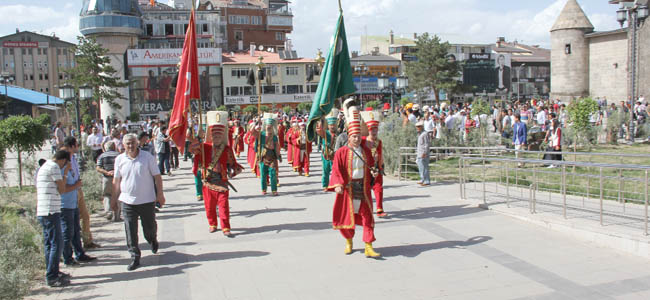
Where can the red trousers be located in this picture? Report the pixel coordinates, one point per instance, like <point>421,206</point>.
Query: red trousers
<point>378,188</point>
<point>364,218</point>
<point>212,199</point>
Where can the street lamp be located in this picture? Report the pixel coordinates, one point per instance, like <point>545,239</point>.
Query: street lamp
<point>67,93</point>
<point>361,68</point>
<point>385,85</point>
<point>637,14</point>
<point>6,79</point>
<point>519,81</point>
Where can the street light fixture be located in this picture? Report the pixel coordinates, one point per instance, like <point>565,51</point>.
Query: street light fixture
<point>6,79</point>
<point>361,68</point>
<point>67,93</point>
<point>519,81</point>
<point>384,85</point>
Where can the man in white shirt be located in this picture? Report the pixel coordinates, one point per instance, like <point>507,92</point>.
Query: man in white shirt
<point>541,117</point>
<point>133,180</point>
<point>94,142</point>
<point>50,184</point>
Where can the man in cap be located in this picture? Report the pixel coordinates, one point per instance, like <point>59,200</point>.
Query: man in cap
<point>329,138</point>
<point>238,138</point>
<point>217,164</point>
<point>301,150</point>
<point>351,180</point>
<point>373,143</point>
<point>268,147</point>
<point>424,143</point>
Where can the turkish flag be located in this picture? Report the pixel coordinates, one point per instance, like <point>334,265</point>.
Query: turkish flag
<point>187,87</point>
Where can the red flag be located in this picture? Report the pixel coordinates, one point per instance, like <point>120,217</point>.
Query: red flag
<point>187,87</point>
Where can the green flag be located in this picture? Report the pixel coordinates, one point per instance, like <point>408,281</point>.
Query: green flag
<point>335,79</point>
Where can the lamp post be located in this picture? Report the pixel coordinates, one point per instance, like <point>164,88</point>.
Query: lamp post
<point>6,79</point>
<point>260,68</point>
<point>67,93</point>
<point>637,14</point>
<point>385,85</point>
<point>361,68</point>
<point>519,81</point>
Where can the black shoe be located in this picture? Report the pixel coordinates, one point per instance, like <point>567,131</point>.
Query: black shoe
<point>133,265</point>
<point>71,264</point>
<point>59,282</point>
<point>154,247</point>
<point>64,275</point>
<point>86,258</point>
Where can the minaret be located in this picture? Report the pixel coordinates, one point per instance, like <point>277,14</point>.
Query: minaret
<point>116,25</point>
<point>570,53</point>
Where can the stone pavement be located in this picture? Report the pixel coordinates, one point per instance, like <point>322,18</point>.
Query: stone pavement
<point>434,246</point>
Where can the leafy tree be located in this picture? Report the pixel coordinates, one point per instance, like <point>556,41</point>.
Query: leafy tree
<point>480,107</point>
<point>265,108</point>
<point>404,101</point>
<point>22,134</point>
<point>93,68</point>
<point>287,109</point>
<point>433,70</point>
<point>134,117</point>
<point>373,104</point>
<point>222,108</point>
<point>304,106</point>
<point>251,109</point>
<point>580,112</point>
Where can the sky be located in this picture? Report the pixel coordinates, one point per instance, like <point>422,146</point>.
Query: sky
<point>458,21</point>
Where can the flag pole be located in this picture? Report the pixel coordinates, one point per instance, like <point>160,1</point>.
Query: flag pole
<point>260,69</point>
<point>340,7</point>
<point>205,133</point>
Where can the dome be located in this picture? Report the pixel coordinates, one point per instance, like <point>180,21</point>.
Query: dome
<point>110,16</point>
<point>572,17</point>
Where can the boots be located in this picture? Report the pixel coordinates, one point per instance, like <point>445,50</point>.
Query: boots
<point>371,252</point>
<point>348,246</point>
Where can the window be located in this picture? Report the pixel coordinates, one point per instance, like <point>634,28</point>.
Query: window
<point>4,51</point>
<point>47,90</point>
<point>46,76</point>
<point>169,29</point>
<point>279,36</point>
<point>256,20</point>
<point>31,77</point>
<point>292,71</point>
<point>239,35</point>
<point>45,64</point>
<point>292,89</point>
<point>38,51</point>
<point>248,90</point>
<point>58,51</point>
<point>271,89</point>
<point>60,76</point>
<point>271,71</point>
<point>44,51</point>
<point>149,30</point>
<point>235,19</point>
<point>23,51</point>
<point>311,88</point>
<point>65,51</point>
<point>567,49</point>
<point>205,28</point>
<point>40,76</point>
<point>239,72</point>
<point>11,51</point>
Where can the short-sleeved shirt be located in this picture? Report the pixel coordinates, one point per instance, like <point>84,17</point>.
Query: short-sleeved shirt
<point>47,193</point>
<point>106,161</point>
<point>137,174</point>
<point>69,199</point>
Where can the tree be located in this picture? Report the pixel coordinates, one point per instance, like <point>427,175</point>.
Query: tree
<point>433,70</point>
<point>134,117</point>
<point>93,68</point>
<point>222,108</point>
<point>373,104</point>
<point>22,134</point>
<point>304,106</point>
<point>580,112</point>
<point>287,109</point>
<point>265,108</point>
<point>251,109</point>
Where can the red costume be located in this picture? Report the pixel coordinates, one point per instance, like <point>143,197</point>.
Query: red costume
<point>378,182</point>
<point>281,132</point>
<point>301,151</point>
<point>344,216</point>
<point>230,131</point>
<point>238,140</point>
<point>251,156</point>
<point>289,145</point>
<point>216,194</point>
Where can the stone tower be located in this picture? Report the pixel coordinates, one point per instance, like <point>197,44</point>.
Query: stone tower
<point>116,25</point>
<point>570,53</point>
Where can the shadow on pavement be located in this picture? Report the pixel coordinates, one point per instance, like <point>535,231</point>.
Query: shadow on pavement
<point>285,227</point>
<point>417,249</point>
<point>434,212</point>
<point>252,213</point>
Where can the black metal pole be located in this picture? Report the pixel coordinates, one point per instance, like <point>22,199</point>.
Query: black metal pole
<point>76,100</point>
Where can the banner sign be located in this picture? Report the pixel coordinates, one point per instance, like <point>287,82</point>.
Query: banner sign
<point>269,99</point>
<point>10,44</point>
<point>170,57</point>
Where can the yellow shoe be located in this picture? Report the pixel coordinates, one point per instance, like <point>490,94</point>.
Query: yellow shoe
<point>371,252</point>
<point>348,246</point>
<point>306,174</point>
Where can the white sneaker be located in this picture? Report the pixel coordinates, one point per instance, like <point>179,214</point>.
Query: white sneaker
<point>550,167</point>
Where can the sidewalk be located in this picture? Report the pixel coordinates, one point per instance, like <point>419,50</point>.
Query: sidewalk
<point>434,246</point>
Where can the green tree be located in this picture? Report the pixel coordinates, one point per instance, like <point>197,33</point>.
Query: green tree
<point>134,117</point>
<point>251,109</point>
<point>373,104</point>
<point>22,134</point>
<point>432,70</point>
<point>265,108</point>
<point>480,107</point>
<point>580,112</point>
<point>304,106</point>
<point>287,109</point>
<point>222,108</point>
<point>93,68</point>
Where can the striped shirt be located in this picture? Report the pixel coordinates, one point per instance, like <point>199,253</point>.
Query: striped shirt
<point>49,199</point>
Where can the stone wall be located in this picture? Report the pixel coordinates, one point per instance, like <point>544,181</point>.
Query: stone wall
<point>608,66</point>
<point>644,60</point>
<point>569,72</point>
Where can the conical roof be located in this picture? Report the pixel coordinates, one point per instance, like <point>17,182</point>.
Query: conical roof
<point>572,17</point>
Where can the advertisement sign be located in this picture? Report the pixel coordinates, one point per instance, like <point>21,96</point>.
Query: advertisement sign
<point>170,57</point>
<point>10,44</point>
<point>269,99</point>
<point>488,72</point>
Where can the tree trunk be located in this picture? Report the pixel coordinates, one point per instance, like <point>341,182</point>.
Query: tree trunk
<point>20,171</point>
<point>435,94</point>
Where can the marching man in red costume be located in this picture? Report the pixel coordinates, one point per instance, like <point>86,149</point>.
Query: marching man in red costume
<point>372,142</point>
<point>301,150</point>
<point>288,138</point>
<point>220,165</point>
<point>238,138</point>
<point>351,180</point>
<point>250,138</point>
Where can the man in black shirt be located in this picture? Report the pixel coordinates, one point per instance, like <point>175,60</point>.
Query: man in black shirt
<point>105,166</point>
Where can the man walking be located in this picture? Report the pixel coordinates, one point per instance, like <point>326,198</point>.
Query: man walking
<point>424,143</point>
<point>519,136</point>
<point>94,142</point>
<point>49,187</point>
<point>106,166</point>
<point>133,180</point>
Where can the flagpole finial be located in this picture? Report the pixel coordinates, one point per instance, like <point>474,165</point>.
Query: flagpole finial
<point>340,7</point>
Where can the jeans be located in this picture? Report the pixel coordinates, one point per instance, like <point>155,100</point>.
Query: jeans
<point>187,154</point>
<point>423,167</point>
<point>163,162</point>
<point>147,216</point>
<point>71,227</point>
<point>52,241</point>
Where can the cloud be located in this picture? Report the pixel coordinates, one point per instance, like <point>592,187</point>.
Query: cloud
<point>24,14</point>
<point>62,19</point>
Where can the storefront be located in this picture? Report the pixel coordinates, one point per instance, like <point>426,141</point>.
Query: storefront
<point>153,74</point>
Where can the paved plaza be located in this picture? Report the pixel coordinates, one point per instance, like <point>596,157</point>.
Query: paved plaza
<point>434,246</point>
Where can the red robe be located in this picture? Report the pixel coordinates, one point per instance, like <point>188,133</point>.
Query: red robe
<point>217,197</point>
<point>289,145</point>
<point>231,129</point>
<point>281,132</point>
<point>238,140</point>
<point>343,214</point>
<point>251,156</point>
<point>378,183</point>
<point>300,164</point>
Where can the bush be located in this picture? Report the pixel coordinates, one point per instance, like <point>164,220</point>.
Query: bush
<point>92,187</point>
<point>394,136</point>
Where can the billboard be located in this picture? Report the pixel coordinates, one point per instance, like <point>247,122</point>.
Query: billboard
<point>269,99</point>
<point>170,57</point>
<point>488,72</point>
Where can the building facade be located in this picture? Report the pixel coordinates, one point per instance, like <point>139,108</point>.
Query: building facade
<point>36,62</point>
<point>366,71</point>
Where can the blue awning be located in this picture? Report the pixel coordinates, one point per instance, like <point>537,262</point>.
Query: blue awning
<point>33,97</point>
